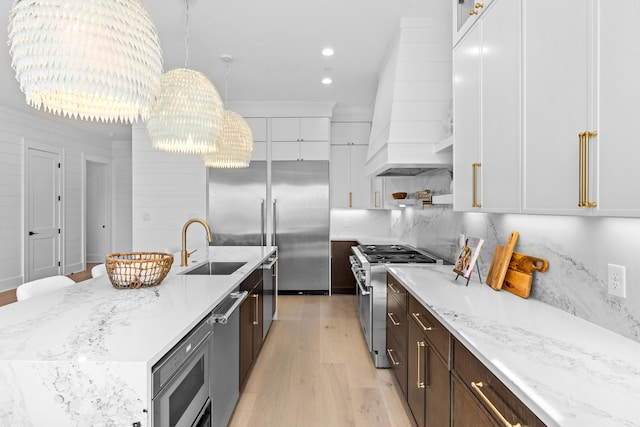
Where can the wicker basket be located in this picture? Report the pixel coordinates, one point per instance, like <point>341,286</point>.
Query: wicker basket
<point>133,270</point>
<point>399,196</point>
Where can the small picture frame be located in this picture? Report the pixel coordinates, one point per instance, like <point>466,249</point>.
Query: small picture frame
<point>467,257</point>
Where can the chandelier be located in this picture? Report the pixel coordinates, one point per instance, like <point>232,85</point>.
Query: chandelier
<point>89,59</point>
<point>187,116</point>
<point>235,142</point>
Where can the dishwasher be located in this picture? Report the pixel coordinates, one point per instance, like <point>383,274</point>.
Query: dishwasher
<point>225,360</point>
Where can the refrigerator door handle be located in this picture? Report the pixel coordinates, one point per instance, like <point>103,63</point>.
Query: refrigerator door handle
<point>274,241</point>
<point>263,236</point>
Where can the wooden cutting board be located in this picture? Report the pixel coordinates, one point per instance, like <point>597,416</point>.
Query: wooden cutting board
<point>500,262</point>
<point>520,273</point>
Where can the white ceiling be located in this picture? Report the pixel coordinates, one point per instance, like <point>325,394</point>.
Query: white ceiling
<point>275,45</point>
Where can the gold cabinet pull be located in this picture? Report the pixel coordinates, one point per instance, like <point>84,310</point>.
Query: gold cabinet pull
<point>375,199</point>
<point>390,316</point>
<point>419,383</point>
<point>257,298</point>
<point>473,12</point>
<point>583,169</point>
<point>350,199</point>
<point>477,387</point>
<point>417,317</point>
<point>478,5</point>
<point>394,362</point>
<point>475,167</point>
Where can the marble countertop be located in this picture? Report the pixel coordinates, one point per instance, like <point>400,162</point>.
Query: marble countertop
<point>568,371</point>
<point>82,355</point>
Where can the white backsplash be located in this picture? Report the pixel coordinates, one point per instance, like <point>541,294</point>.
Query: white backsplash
<point>578,250</point>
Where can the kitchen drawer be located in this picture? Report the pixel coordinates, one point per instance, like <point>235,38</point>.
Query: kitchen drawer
<point>435,332</point>
<point>398,291</point>
<point>470,370</point>
<point>398,360</point>
<point>397,322</point>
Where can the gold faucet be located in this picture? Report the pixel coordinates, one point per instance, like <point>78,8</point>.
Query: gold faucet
<point>185,255</point>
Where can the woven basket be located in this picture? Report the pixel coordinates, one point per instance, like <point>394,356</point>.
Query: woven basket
<point>399,196</point>
<point>133,270</point>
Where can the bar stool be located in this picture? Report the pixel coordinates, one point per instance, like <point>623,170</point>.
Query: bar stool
<point>41,286</point>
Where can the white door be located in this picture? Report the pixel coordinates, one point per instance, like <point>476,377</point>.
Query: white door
<point>97,211</point>
<point>43,214</point>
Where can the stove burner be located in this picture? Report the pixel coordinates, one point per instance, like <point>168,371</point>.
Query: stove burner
<point>377,254</point>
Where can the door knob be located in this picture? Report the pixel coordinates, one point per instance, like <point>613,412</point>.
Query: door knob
<point>32,233</point>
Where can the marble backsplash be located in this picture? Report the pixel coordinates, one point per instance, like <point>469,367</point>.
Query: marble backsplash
<point>578,250</point>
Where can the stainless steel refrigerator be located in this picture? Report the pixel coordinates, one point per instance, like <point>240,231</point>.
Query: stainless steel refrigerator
<point>242,210</point>
<point>300,215</point>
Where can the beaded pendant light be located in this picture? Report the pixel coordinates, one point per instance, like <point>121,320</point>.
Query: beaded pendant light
<point>187,116</point>
<point>235,142</point>
<point>89,59</point>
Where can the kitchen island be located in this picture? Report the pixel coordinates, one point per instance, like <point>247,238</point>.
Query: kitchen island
<point>82,356</point>
<point>568,371</point>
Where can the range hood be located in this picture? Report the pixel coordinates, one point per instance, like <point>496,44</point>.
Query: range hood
<point>411,125</point>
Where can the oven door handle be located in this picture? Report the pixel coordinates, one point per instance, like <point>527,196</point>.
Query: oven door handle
<point>363,290</point>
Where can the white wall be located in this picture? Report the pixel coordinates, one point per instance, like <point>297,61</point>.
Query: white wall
<point>15,127</point>
<point>121,239</point>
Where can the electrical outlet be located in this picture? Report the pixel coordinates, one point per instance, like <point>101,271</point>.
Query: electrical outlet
<point>617,280</point>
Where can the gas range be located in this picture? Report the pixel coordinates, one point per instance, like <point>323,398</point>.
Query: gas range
<point>368,266</point>
<point>376,254</point>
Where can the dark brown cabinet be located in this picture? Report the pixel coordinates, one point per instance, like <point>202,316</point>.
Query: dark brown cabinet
<point>427,368</point>
<point>342,280</point>
<point>480,399</point>
<point>251,324</point>
<point>397,333</point>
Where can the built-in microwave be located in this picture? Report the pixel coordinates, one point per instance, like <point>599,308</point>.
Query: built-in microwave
<point>181,382</point>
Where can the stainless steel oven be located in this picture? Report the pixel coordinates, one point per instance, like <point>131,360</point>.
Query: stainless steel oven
<point>180,382</point>
<point>368,268</point>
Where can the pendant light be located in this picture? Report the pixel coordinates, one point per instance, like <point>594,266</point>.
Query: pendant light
<point>235,142</point>
<point>187,116</point>
<point>89,59</point>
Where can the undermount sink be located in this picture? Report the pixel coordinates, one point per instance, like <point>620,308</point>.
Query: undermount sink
<point>217,268</point>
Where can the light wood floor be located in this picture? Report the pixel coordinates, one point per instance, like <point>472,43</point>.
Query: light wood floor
<point>314,370</point>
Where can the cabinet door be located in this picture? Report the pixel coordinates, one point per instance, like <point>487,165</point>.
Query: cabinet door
<point>315,150</point>
<point>285,150</point>
<point>500,108</point>
<point>340,176</point>
<point>619,91</point>
<point>359,184</point>
<point>257,319</point>
<point>246,339</point>
<point>416,369</point>
<point>466,119</point>
<point>557,96</point>
<point>314,129</point>
<point>342,280</point>
<point>285,129</point>
<point>465,15</point>
<point>466,411</point>
<point>437,405</point>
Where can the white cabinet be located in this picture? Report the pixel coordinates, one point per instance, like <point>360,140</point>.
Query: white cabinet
<point>349,186</point>
<point>465,15</point>
<point>258,127</point>
<point>294,138</point>
<point>487,108</point>
<point>582,78</point>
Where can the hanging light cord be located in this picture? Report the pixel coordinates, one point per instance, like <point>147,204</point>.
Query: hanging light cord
<point>226,80</point>
<point>186,35</point>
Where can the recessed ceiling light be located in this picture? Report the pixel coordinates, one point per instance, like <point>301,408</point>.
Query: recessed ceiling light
<point>327,81</point>
<point>327,51</point>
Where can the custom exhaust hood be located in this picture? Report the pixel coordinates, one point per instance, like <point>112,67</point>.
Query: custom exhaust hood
<point>411,125</point>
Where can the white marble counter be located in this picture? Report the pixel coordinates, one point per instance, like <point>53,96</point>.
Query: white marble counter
<point>568,371</point>
<point>82,355</point>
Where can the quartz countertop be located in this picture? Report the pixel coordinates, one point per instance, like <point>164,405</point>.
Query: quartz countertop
<point>569,372</point>
<point>82,355</point>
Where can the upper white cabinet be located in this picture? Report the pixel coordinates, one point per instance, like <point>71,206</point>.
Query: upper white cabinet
<point>258,126</point>
<point>465,15</point>
<point>349,186</point>
<point>487,104</point>
<point>582,63</point>
<point>294,138</point>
